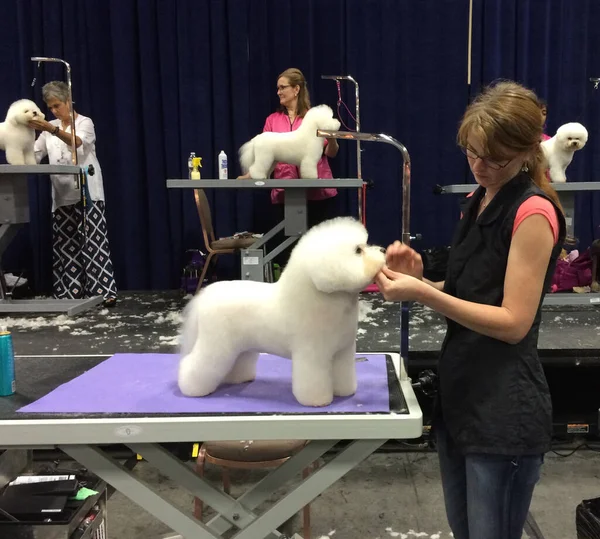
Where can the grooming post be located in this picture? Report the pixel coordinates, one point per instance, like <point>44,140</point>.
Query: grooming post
<point>406,237</point>
<point>361,191</point>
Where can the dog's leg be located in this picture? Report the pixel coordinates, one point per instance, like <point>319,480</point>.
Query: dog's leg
<point>244,369</point>
<point>30,157</point>
<point>308,169</point>
<point>557,174</point>
<point>311,378</point>
<point>204,369</point>
<point>15,156</point>
<point>263,161</point>
<point>344,372</point>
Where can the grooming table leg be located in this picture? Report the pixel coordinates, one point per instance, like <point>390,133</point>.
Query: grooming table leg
<point>125,482</point>
<point>532,529</point>
<point>274,480</point>
<point>310,488</point>
<point>185,477</point>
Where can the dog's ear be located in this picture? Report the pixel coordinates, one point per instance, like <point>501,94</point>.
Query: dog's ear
<point>324,279</point>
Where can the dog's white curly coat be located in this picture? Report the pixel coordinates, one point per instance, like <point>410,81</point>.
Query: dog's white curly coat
<point>559,149</point>
<point>301,147</point>
<point>17,139</point>
<point>309,316</point>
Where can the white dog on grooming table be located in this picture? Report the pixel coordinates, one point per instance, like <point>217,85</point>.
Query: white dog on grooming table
<point>309,316</point>
<point>301,147</point>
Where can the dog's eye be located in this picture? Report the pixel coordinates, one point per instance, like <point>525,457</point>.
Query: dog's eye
<point>26,111</point>
<point>358,250</point>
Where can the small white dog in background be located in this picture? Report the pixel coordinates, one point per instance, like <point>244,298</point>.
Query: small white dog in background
<point>301,147</point>
<point>310,315</point>
<point>16,137</point>
<point>560,148</point>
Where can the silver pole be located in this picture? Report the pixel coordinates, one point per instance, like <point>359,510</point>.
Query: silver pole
<point>358,151</point>
<point>40,59</point>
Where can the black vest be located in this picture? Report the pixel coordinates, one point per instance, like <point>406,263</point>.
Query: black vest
<point>493,396</point>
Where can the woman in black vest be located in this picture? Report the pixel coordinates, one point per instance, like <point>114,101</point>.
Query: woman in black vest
<point>493,415</point>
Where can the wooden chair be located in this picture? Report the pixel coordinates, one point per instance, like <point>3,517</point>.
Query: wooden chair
<point>214,247</point>
<point>250,455</point>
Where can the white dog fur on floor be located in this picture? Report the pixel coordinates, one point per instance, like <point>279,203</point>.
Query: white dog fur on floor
<point>309,316</point>
<point>301,147</point>
<point>560,148</point>
<point>16,137</point>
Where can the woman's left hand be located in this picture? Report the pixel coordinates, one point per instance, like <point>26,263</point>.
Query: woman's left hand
<point>398,286</point>
<point>41,125</point>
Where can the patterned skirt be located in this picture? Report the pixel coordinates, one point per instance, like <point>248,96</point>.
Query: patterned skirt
<point>81,256</point>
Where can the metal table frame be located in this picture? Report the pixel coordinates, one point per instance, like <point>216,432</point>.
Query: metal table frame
<point>83,438</point>
<point>14,214</point>
<point>294,224</point>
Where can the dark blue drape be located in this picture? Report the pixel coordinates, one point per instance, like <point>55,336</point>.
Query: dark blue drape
<point>161,79</point>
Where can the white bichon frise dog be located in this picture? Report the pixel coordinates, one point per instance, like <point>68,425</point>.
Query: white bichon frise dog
<point>301,147</point>
<point>560,148</point>
<point>16,137</point>
<point>309,316</point>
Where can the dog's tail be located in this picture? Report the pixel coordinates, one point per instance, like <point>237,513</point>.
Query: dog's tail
<point>247,156</point>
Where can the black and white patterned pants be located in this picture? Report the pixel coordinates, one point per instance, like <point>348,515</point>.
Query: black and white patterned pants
<point>81,262</point>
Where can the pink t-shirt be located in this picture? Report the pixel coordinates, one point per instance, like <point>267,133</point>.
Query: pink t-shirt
<point>531,206</point>
<point>279,122</point>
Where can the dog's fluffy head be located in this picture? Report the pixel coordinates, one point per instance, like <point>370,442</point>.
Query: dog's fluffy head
<point>321,117</point>
<point>336,257</point>
<point>23,111</point>
<point>571,136</point>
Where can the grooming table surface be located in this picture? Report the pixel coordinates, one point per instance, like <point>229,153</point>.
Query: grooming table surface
<point>139,384</point>
<point>135,396</point>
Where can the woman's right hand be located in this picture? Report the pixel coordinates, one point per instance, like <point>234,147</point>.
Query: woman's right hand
<point>403,259</point>
<point>244,177</point>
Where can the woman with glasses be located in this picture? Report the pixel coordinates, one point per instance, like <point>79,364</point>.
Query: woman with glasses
<point>294,102</point>
<point>492,422</point>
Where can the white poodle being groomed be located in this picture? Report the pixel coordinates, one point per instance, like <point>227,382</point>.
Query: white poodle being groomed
<point>309,316</point>
<point>560,148</point>
<point>16,137</point>
<point>301,147</point>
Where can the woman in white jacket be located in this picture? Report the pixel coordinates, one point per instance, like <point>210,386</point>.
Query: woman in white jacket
<point>82,264</point>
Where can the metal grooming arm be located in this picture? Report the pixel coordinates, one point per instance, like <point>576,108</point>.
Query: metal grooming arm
<point>406,237</point>
<point>361,191</point>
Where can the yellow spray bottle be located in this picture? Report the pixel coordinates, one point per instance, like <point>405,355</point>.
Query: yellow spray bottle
<point>196,166</point>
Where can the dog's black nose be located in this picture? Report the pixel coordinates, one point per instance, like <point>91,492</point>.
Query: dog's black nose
<point>34,113</point>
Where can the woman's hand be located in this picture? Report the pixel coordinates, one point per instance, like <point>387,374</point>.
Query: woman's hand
<point>396,286</point>
<point>401,258</point>
<point>41,125</point>
<point>244,177</point>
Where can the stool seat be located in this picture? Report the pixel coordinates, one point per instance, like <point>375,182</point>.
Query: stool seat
<point>253,451</point>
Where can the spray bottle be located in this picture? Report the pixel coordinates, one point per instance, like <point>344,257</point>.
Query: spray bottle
<point>191,164</point>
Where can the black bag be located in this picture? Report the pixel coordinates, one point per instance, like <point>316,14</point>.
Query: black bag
<point>587,519</point>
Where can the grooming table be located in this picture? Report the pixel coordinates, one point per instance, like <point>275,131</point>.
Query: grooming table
<point>132,399</point>
<point>293,225</point>
<point>14,214</point>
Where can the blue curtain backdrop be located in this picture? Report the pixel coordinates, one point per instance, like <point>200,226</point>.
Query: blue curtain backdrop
<point>161,79</point>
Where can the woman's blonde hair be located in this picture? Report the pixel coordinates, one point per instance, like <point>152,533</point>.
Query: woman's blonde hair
<point>508,118</point>
<point>296,78</point>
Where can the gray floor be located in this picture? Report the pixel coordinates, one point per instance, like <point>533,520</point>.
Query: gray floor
<point>389,494</point>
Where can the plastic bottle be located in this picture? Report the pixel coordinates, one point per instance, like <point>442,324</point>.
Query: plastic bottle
<point>223,172</point>
<point>7,363</point>
<point>191,164</point>
<point>196,166</point>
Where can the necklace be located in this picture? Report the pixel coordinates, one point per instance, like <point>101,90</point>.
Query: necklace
<point>483,201</point>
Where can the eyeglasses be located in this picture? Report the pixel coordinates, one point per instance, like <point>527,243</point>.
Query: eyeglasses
<point>283,87</point>
<point>488,162</point>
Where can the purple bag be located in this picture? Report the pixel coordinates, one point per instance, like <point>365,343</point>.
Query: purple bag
<point>568,275</point>
<point>192,271</point>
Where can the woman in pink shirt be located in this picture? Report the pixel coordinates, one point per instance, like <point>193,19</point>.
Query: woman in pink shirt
<point>294,102</point>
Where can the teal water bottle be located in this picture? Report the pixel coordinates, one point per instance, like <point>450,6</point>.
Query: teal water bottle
<point>7,363</point>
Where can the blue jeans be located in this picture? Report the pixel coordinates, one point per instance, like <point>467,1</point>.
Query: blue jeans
<point>487,496</point>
